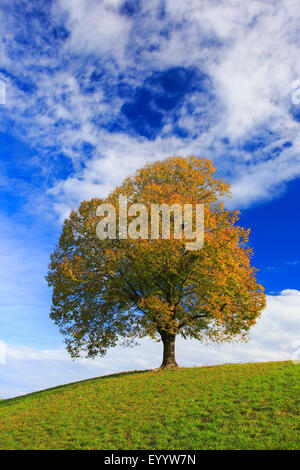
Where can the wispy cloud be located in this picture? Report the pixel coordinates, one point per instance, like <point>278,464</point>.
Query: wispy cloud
<point>93,82</point>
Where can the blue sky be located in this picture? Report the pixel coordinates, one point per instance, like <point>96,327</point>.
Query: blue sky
<point>94,90</point>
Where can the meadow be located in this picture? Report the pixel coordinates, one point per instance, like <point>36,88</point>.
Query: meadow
<point>231,406</point>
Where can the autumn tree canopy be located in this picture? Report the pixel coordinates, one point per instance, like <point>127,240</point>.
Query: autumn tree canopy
<point>115,291</point>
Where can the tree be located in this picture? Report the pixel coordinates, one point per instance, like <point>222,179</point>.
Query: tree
<point>115,291</point>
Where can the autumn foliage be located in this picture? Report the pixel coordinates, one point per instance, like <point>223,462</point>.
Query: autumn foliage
<point>107,292</point>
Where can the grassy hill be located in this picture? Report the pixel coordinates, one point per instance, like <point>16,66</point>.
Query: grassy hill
<point>233,406</point>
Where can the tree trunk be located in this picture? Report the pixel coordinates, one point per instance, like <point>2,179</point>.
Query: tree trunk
<point>169,351</point>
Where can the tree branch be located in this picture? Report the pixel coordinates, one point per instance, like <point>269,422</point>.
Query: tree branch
<point>199,315</point>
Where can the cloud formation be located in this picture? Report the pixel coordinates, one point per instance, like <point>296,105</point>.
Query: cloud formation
<point>104,86</point>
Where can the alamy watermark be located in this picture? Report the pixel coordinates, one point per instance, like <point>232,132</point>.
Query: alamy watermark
<point>295,356</point>
<point>2,92</point>
<point>136,222</point>
<point>2,353</point>
<point>296,94</point>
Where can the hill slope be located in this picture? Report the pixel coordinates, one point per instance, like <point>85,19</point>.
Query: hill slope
<point>233,406</point>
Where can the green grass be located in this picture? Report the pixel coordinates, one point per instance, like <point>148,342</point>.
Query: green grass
<point>233,406</point>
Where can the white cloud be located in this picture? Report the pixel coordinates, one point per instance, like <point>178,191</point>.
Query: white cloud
<point>273,338</point>
<point>96,26</point>
<point>252,73</point>
<point>250,50</point>
<point>264,180</point>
